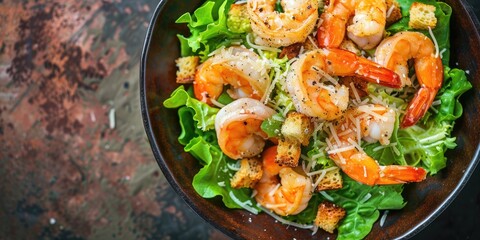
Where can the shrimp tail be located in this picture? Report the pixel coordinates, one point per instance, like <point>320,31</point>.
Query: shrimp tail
<point>394,174</point>
<point>375,73</point>
<point>418,107</point>
<point>430,75</point>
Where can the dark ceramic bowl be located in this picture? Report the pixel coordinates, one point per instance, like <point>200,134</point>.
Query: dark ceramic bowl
<point>426,200</point>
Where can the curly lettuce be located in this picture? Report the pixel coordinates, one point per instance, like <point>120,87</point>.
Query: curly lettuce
<point>197,121</point>
<point>208,28</point>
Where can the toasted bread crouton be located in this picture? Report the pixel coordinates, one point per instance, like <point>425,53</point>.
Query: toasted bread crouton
<point>249,173</point>
<point>288,153</point>
<point>422,16</point>
<point>332,180</point>
<point>394,12</point>
<point>186,67</point>
<point>290,51</point>
<point>328,216</point>
<point>297,127</point>
<point>349,45</point>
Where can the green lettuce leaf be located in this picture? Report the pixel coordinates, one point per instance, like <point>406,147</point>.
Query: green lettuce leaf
<point>362,204</point>
<point>197,135</point>
<point>213,179</point>
<point>204,114</point>
<point>208,28</point>
<point>427,144</point>
<point>454,85</point>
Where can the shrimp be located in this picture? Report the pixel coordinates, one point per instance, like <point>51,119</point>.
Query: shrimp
<point>366,30</point>
<point>238,128</point>
<point>277,29</point>
<point>315,98</point>
<point>394,53</point>
<point>282,189</point>
<point>372,123</point>
<point>238,67</point>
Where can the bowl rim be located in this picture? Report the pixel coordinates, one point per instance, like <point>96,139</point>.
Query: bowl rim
<point>175,185</point>
<point>149,132</point>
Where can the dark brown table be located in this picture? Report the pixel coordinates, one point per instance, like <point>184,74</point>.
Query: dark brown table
<point>74,159</point>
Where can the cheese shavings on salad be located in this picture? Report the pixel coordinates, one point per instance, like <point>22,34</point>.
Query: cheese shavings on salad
<point>218,26</point>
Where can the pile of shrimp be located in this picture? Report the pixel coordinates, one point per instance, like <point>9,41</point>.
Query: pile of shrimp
<point>312,82</point>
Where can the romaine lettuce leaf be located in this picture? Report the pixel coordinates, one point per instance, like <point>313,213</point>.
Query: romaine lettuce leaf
<point>197,135</point>
<point>454,85</point>
<point>362,204</point>
<point>208,28</point>
<point>204,114</point>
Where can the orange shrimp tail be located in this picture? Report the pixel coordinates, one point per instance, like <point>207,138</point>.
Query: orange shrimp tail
<point>360,167</point>
<point>418,107</point>
<point>429,71</point>
<point>375,73</point>
<point>400,174</point>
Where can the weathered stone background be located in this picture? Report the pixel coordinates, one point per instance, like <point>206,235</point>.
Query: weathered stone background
<point>65,172</point>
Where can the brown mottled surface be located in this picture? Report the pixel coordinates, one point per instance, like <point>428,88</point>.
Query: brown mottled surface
<point>64,172</point>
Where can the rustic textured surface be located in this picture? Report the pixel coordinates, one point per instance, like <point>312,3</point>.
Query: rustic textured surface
<point>65,173</point>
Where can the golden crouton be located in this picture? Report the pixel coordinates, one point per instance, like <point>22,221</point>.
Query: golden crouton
<point>249,173</point>
<point>394,13</point>
<point>297,127</point>
<point>422,16</point>
<point>288,153</point>
<point>186,67</point>
<point>290,51</point>
<point>332,180</point>
<point>350,46</point>
<point>328,216</point>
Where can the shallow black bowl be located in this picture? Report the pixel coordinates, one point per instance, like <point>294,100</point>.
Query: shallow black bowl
<point>426,200</point>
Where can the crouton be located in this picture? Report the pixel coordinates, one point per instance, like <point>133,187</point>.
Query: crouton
<point>248,175</point>
<point>297,127</point>
<point>328,216</point>
<point>332,180</point>
<point>422,16</point>
<point>288,153</point>
<point>350,46</point>
<point>394,12</point>
<point>186,68</point>
<point>291,51</point>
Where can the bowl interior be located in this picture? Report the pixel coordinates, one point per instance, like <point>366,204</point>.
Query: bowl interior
<point>425,200</point>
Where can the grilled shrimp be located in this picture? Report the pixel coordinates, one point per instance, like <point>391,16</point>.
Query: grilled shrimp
<point>372,123</point>
<point>238,67</point>
<point>277,29</point>
<point>394,53</point>
<point>238,128</point>
<point>282,189</point>
<point>366,30</point>
<point>313,97</point>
